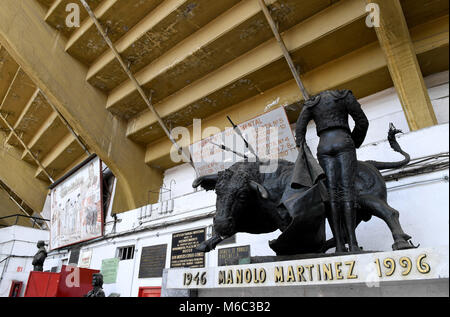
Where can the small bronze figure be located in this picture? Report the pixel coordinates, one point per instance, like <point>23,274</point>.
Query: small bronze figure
<point>39,257</point>
<point>97,283</point>
<point>337,156</point>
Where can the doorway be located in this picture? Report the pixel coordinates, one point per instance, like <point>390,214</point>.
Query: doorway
<point>149,292</point>
<point>16,289</point>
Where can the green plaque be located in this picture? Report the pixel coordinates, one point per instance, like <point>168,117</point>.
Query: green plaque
<point>109,270</point>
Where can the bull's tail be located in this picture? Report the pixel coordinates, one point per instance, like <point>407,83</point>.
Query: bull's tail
<point>396,147</point>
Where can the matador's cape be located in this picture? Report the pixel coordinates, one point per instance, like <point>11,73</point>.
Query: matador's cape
<point>305,204</point>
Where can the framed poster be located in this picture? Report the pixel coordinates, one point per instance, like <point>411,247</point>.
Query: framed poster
<point>77,207</point>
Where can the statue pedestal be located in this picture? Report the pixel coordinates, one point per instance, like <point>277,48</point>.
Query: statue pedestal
<point>413,272</point>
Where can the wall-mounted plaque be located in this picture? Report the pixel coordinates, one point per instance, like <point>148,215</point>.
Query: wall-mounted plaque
<point>210,159</point>
<point>153,261</point>
<point>85,258</point>
<point>234,256</point>
<point>183,249</point>
<point>74,256</point>
<point>109,270</point>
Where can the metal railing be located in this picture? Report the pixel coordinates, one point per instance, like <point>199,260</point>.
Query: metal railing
<point>17,216</point>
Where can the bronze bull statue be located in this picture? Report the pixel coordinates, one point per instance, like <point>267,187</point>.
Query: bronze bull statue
<point>251,201</point>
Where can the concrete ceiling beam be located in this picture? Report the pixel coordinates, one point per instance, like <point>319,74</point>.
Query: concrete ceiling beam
<point>17,97</point>
<point>62,79</point>
<point>86,44</point>
<point>45,138</point>
<point>245,76</point>
<point>56,14</point>
<point>398,49</point>
<point>162,29</point>
<point>19,177</point>
<point>364,71</point>
<point>35,112</point>
<point>8,70</point>
<point>62,154</point>
<point>226,38</point>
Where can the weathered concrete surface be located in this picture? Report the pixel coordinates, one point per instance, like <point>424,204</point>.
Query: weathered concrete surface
<point>31,42</point>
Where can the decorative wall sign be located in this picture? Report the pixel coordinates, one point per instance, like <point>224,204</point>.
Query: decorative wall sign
<point>85,258</point>
<point>233,255</point>
<point>183,253</point>
<point>210,159</point>
<point>367,268</point>
<point>109,270</point>
<point>76,207</point>
<point>153,261</point>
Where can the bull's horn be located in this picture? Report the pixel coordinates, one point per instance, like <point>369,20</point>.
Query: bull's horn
<point>260,189</point>
<point>208,182</point>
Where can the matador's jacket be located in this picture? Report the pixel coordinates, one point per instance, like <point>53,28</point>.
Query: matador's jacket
<point>305,200</point>
<point>329,109</point>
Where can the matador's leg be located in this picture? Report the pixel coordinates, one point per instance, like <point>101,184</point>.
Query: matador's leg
<point>330,166</point>
<point>348,164</point>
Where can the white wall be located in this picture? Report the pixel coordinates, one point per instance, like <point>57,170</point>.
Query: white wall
<point>17,248</point>
<point>128,283</point>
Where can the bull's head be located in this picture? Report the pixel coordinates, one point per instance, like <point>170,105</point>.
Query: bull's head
<point>236,194</point>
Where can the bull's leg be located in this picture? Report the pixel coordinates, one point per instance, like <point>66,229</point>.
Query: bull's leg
<point>209,244</point>
<point>330,243</point>
<point>390,216</point>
